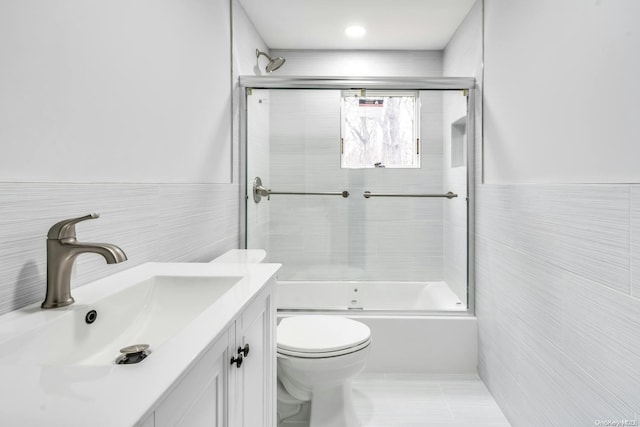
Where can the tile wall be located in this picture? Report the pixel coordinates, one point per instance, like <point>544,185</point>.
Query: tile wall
<point>150,222</point>
<point>557,301</point>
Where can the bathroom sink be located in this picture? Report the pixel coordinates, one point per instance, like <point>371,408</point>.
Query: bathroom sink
<point>146,308</point>
<point>59,370</point>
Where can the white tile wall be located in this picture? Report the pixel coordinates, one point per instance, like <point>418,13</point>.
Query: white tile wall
<point>635,241</point>
<point>557,294</point>
<point>581,228</point>
<point>195,221</point>
<point>495,312</point>
<point>560,391</point>
<point>596,314</point>
<point>494,213</point>
<point>150,222</point>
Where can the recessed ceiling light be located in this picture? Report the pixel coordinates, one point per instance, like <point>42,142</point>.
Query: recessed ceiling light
<point>355,31</point>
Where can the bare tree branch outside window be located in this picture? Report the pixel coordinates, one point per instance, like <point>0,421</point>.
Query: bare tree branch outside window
<point>380,130</point>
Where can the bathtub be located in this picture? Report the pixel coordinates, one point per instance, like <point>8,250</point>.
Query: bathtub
<point>415,297</point>
<point>416,327</point>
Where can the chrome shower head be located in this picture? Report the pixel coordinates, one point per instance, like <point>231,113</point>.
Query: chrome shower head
<point>274,63</point>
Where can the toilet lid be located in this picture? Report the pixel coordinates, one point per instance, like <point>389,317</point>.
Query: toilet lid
<point>320,334</point>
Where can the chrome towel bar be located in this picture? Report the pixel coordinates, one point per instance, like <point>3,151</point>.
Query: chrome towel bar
<point>368,194</point>
<point>259,192</point>
<point>326,193</point>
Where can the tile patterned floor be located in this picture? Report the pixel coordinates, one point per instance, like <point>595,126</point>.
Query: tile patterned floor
<point>402,400</point>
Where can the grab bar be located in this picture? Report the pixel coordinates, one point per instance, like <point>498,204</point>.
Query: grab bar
<point>259,192</point>
<point>368,194</point>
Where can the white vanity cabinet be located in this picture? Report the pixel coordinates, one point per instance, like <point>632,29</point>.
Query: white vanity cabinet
<point>255,380</point>
<point>199,397</point>
<point>217,390</point>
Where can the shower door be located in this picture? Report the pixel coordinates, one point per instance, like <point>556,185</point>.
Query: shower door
<point>356,227</point>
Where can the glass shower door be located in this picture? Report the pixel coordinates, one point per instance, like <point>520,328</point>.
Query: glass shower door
<point>398,238</point>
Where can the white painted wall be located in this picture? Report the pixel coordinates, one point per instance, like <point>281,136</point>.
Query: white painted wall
<point>558,265</point>
<point>115,92</point>
<point>561,91</point>
<point>151,80</point>
<point>246,40</point>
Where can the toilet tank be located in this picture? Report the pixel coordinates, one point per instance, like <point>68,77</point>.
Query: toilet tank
<point>242,256</point>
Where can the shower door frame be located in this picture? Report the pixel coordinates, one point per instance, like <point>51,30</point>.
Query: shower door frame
<point>468,84</point>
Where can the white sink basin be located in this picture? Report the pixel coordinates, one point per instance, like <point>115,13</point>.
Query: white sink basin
<point>149,311</point>
<point>57,370</point>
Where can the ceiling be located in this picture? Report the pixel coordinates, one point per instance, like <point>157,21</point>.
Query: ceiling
<point>390,24</point>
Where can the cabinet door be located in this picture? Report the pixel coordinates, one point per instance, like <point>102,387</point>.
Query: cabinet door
<point>255,390</point>
<point>199,398</point>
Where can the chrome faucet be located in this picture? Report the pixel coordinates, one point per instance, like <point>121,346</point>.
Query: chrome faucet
<point>62,250</point>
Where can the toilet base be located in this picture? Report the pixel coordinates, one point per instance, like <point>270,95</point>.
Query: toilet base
<point>301,419</point>
<point>288,406</point>
<point>333,407</point>
<point>328,407</point>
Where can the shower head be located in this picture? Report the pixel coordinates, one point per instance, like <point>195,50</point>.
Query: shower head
<point>274,63</point>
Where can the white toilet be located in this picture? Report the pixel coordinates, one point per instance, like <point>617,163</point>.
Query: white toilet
<point>317,358</point>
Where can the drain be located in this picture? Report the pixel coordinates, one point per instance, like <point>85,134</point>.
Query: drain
<point>132,354</point>
<point>91,316</point>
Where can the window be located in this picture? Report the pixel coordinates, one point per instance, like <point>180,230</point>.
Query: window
<point>380,129</point>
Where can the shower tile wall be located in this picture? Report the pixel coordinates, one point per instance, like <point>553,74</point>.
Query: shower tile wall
<point>320,238</point>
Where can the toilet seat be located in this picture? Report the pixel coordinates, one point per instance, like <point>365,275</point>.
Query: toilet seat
<point>317,336</point>
<point>318,355</point>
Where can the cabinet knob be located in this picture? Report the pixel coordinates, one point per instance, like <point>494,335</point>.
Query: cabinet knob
<point>244,350</point>
<point>237,360</point>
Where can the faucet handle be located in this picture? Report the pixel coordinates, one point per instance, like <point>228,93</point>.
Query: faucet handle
<point>66,229</point>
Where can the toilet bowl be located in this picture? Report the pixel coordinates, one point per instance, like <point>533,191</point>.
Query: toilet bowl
<point>317,358</point>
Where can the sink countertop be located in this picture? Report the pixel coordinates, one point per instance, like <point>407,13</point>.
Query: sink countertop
<point>117,395</point>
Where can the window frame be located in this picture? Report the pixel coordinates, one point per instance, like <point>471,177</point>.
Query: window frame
<point>383,94</point>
